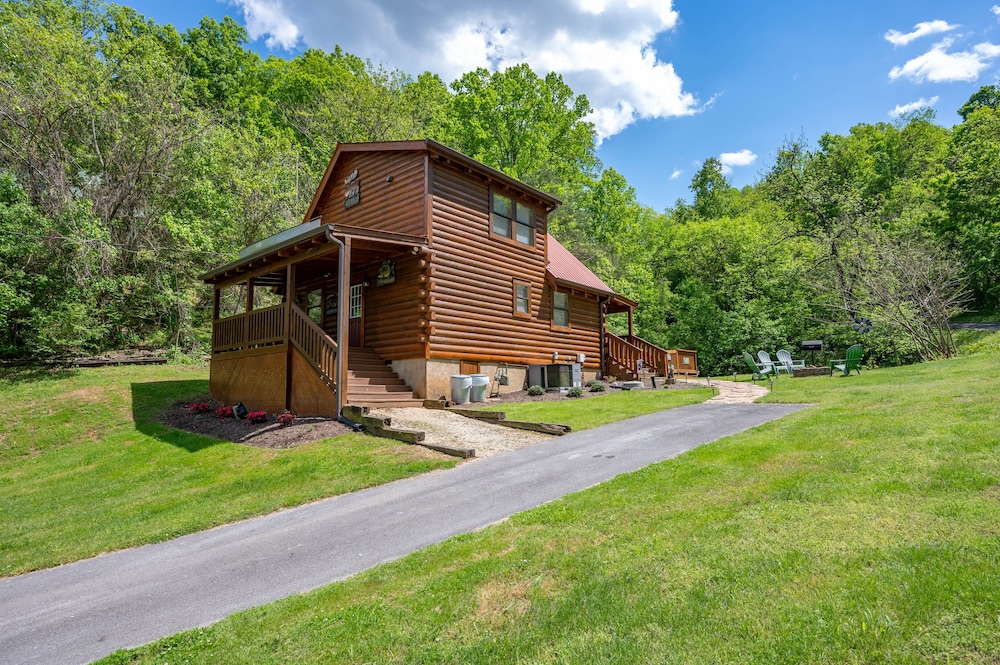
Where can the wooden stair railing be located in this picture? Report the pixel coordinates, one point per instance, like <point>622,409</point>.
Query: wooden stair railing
<point>318,348</point>
<point>622,354</point>
<point>654,359</point>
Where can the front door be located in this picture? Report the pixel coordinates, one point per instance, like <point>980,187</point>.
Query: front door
<point>355,324</point>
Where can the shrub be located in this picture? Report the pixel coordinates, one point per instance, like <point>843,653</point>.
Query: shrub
<point>596,387</point>
<point>225,412</point>
<point>575,391</point>
<point>535,391</point>
<point>199,407</point>
<point>257,417</point>
<point>286,419</point>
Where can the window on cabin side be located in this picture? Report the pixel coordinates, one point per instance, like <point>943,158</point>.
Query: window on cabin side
<point>512,219</point>
<point>522,299</point>
<point>560,309</point>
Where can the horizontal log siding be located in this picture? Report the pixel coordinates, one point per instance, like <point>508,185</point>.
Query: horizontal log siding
<point>393,312</point>
<point>396,207</point>
<point>472,300</point>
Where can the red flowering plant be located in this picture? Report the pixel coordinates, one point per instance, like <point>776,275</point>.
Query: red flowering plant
<point>225,412</point>
<point>199,407</point>
<point>257,417</point>
<point>286,419</point>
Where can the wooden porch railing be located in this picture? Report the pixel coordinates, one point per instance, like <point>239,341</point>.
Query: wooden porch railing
<point>261,327</point>
<point>318,348</point>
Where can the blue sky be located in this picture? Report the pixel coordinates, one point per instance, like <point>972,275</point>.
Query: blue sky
<point>672,83</point>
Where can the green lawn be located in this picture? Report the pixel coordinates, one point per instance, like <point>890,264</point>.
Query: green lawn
<point>865,529</point>
<point>84,467</point>
<point>584,413</point>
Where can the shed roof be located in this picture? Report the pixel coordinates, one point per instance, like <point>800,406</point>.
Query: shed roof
<point>564,267</point>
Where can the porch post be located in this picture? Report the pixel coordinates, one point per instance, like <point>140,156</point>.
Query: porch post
<point>343,311</point>
<point>289,299</point>
<point>215,313</point>
<point>246,319</point>
<point>631,332</point>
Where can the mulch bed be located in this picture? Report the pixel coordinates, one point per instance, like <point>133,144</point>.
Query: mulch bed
<point>265,435</point>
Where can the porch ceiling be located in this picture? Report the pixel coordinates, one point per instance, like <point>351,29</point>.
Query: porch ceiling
<point>267,267</point>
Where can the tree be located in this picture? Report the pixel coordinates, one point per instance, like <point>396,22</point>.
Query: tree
<point>531,128</point>
<point>987,96</point>
<point>969,192</point>
<point>913,284</point>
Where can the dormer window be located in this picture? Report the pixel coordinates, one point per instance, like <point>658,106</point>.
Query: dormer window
<point>513,219</point>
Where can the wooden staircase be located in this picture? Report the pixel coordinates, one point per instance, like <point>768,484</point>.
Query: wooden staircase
<point>371,382</point>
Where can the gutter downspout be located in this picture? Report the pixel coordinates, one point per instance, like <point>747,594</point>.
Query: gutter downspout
<point>604,316</point>
<point>343,280</point>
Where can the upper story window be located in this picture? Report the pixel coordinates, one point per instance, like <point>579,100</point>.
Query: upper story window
<point>513,219</point>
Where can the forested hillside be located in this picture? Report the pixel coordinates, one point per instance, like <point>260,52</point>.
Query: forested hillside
<point>133,158</point>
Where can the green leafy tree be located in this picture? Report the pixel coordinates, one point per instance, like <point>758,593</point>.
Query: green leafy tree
<point>529,127</point>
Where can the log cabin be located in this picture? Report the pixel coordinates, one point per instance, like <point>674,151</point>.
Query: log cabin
<point>413,263</point>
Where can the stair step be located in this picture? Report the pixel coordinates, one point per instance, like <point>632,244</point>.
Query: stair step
<point>393,402</point>
<point>375,381</point>
<point>374,390</point>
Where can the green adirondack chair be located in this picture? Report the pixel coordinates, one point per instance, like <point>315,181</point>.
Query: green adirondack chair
<point>756,372</point>
<point>851,362</point>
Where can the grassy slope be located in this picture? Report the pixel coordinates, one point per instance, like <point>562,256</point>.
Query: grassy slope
<point>84,469</point>
<point>864,529</point>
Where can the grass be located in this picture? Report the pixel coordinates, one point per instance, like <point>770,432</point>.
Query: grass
<point>865,529</point>
<point>584,413</point>
<point>85,468</point>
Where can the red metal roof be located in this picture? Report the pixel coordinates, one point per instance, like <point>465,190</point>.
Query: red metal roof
<point>564,267</point>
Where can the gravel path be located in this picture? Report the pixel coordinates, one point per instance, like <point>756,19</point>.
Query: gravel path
<point>451,429</point>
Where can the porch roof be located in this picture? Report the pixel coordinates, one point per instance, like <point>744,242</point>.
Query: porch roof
<point>566,269</point>
<point>290,246</point>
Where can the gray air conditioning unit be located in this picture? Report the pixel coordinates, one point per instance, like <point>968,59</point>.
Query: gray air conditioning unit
<point>553,377</point>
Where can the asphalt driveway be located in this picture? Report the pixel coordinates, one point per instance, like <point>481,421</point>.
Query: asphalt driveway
<point>85,610</point>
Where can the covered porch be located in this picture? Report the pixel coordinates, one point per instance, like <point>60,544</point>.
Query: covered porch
<point>288,313</point>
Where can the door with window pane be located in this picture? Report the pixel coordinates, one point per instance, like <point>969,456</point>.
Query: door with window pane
<point>355,322</point>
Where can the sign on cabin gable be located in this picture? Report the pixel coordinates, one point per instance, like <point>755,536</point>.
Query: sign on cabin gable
<point>352,193</point>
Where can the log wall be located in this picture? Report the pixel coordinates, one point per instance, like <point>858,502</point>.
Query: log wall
<point>472,284</point>
<point>396,206</point>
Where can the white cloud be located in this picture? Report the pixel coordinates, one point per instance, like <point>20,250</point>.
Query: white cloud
<point>676,174</point>
<point>268,17</point>
<point>937,65</point>
<point>602,48</point>
<point>897,38</point>
<point>903,109</point>
<point>742,158</point>
<point>995,9</point>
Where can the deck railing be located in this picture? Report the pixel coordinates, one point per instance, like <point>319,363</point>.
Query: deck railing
<point>261,327</point>
<point>318,348</point>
